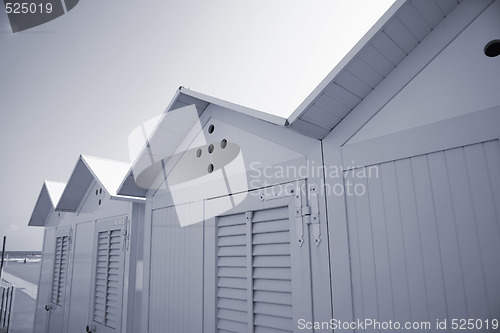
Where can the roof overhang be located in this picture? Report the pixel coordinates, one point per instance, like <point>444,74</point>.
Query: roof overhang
<point>47,200</point>
<point>107,173</point>
<point>185,96</point>
<point>373,58</point>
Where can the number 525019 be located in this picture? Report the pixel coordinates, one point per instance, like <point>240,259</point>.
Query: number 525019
<point>28,8</point>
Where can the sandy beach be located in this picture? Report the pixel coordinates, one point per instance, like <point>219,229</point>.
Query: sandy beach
<point>24,305</point>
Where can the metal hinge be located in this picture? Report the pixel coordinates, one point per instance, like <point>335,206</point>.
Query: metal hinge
<point>249,215</point>
<point>125,240</point>
<point>70,237</point>
<point>314,214</point>
<point>125,234</point>
<point>306,211</point>
<point>299,227</point>
<point>307,214</point>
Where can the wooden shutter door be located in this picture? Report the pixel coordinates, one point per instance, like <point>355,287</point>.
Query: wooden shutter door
<point>262,271</point>
<point>60,270</point>
<point>59,280</point>
<point>107,297</point>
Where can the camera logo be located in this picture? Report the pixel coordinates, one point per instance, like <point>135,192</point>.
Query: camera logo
<point>26,14</point>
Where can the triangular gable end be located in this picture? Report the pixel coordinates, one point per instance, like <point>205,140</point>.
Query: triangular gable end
<point>184,98</point>
<point>47,200</point>
<point>107,173</point>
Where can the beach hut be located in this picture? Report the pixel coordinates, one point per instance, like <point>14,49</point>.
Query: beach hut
<point>44,215</point>
<point>90,253</point>
<point>235,229</point>
<point>412,116</point>
<point>374,206</point>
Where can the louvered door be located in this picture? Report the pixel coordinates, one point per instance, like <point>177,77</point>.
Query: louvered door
<point>57,298</point>
<point>106,311</point>
<point>263,279</point>
<point>60,270</point>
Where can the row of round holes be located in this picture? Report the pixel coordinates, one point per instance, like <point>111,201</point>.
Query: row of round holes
<point>223,145</point>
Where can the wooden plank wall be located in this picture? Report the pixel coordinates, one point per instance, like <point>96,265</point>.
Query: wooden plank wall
<point>425,237</point>
<point>176,278</point>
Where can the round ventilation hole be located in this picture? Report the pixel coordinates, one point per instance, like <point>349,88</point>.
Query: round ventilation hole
<point>198,152</point>
<point>211,129</point>
<point>211,149</point>
<point>223,143</point>
<point>210,168</point>
<point>492,49</point>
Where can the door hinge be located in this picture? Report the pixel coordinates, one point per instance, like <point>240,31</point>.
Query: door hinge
<point>125,240</point>
<point>299,227</point>
<point>308,214</point>
<point>249,215</point>
<point>125,235</point>
<point>313,219</point>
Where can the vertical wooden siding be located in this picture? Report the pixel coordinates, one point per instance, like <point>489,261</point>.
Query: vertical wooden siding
<point>175,295</point>
<point>425,237</point>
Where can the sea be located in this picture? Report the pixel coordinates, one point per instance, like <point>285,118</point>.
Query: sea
<point>22,256</point>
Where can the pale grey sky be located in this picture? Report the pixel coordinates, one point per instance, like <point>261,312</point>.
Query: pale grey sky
<point>81,83</point>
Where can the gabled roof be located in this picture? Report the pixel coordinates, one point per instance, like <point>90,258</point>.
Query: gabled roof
<point>185,96</point>
<point>47,200</point>
<point>108,173</point>
<point>372,59</point>
<point>170,131</point>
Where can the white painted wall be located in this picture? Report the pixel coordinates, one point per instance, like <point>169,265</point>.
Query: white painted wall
<point>176,275</point>
<point>424,238</point>
<point>460,80</point>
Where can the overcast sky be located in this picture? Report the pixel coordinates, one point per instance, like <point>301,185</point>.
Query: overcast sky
<point>81,83</point>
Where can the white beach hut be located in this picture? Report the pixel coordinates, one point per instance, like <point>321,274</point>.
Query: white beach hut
<point>378,199</point>
<point>235,236</point>
<point>90,252</point>
<point>414,111</point>
<point>44,215</point>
